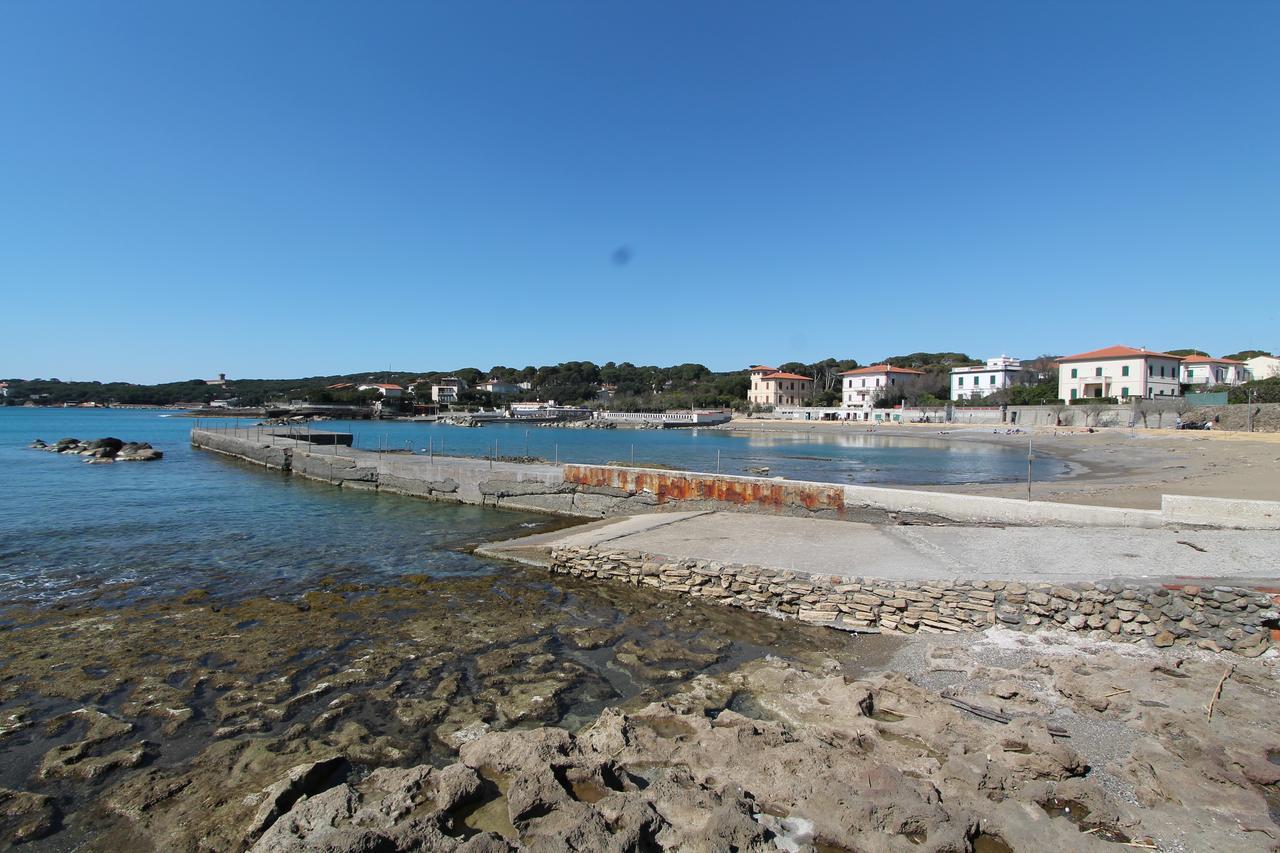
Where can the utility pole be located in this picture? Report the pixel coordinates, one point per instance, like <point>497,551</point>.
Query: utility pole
<point>1030,456</point>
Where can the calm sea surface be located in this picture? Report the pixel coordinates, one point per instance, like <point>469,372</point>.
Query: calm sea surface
<point>198,520</point>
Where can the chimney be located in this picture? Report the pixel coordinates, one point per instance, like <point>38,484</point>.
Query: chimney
<point>222,377</point>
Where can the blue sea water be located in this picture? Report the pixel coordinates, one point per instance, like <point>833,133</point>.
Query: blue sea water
<point>197,520</point>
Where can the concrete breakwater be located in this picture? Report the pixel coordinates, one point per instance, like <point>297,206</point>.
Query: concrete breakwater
<point>1215,618</point>
<point>598,491</point>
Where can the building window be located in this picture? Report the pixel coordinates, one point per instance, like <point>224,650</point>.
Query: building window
<point>961,381</point>
<point>1124,371</point>
<point>1124,392</point>
<point>1097,371</point>
<point>993,380</point>
<point>1151,370</point>
<point>1073,373</point>
<point>1073,391</point>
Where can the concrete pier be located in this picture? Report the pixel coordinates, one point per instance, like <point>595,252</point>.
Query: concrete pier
<point>600,491</point>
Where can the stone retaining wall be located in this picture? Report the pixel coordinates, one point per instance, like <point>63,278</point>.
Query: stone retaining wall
<point>1217,618</point>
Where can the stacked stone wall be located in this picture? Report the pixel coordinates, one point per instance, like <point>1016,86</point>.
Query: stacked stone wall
<point>1216,618</point>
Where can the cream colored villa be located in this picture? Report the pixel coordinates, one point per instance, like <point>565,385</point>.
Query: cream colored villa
<point>860,388</point>
<point>771,387</point>
<point>1203,370</point>
<point>1120,372</point>
<point>1263,367</point>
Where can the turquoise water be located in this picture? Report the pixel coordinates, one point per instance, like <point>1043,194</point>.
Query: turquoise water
<point>197,520</point>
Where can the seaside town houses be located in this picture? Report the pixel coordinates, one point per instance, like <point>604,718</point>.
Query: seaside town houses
<point>1203,370</point>
<point>772,387</point>
<point>1121,373</point>
<point>860,388</point>
<point>386,390</point>
<point>447,389</point>
<point>499,387</point>
<point>999,373</point>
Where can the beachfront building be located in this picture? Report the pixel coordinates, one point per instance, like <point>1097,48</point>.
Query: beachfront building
<point>447,389</point>
<point>773,387</point>
<point>1263,367</point>
<point>4,389</point>
<point>996,375</point>
<point>859,389</point>
<point>1205,371</point>
<point>1120,372</point>
<point>385,390</point>
<point>499,387</point>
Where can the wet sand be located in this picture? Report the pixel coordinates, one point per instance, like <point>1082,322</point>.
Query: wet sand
<point>1111,466</point>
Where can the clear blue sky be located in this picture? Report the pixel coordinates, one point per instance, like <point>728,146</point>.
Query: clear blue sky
<point>296,188</point>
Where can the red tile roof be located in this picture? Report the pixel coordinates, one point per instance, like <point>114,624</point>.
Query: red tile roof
<point>1115,352</point>
<point>787,376</point>
<point>1204,359</point>
<point>762,367</point>
<point>388,387</point>
<point>882,368</point>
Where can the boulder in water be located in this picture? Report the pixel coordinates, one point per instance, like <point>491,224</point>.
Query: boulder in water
<point>110,445</point>
<point>140,452</point>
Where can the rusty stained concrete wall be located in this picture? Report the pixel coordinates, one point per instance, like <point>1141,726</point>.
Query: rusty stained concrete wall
<point>680,489</point>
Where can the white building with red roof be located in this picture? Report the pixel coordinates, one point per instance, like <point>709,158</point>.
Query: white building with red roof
<point>1203,370</point>
<point>1121,372</point>
<point>773,387</point>
<point>859,389</point>
<point>384,389</point>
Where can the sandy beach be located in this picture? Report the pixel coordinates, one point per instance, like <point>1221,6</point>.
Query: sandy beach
<point>1110,467</point>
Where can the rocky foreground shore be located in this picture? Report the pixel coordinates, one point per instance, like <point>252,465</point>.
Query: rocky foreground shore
<point>1105,749</point>
<point>101,450</point>
<point>441,716</point>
